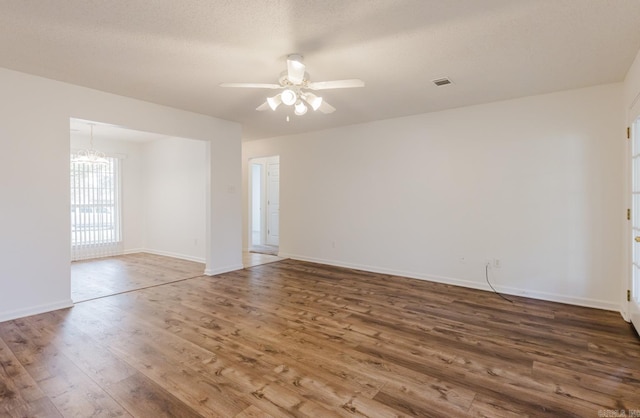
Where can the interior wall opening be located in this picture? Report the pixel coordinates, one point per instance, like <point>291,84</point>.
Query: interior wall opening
<point>138,208</point>
<point>264,205</point>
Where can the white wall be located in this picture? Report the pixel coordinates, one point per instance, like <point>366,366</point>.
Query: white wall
<point>163,194</point>
<point>175,184</point>
<point>34,182</point>
<point>224,213</point>
<point>535,182</point>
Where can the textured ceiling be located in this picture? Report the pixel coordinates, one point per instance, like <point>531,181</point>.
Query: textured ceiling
<point>177,52</point>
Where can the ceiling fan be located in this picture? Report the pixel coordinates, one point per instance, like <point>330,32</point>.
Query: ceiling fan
<point>294,83</point>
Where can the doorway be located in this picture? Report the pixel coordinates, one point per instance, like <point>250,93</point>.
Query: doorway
<point>264,222</point>
<point>140,212</point>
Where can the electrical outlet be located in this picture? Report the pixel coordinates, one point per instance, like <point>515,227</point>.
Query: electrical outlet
<point>497,263</point>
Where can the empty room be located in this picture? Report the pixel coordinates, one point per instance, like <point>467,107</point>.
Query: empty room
<point>368,208</point>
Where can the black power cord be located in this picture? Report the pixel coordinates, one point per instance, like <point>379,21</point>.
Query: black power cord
<point>486,275</point>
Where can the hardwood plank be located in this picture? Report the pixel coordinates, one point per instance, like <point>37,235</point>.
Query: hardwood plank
<point>85,352</point>
<point>17,388</point>
<point>298,339</point>
<point>597,388</point>
<point>205,393</point>
<point>71,391</point>
<point>258,344</point>
<point>278,400</point>
<point>39,408</point>
<point>253,412</point>
<point>494,407</point>
<point>300,380</point>
<point>360,406</point>
<point>111,275</point>
<point>141,397</point>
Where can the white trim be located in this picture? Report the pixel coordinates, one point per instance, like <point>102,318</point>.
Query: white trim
<point>164,253</point>
<point>220,270</point>
<point>170,254</point>
<point>35,310</point>
<point>134,251</point>
<point>635,319</point>
<point>552,297</point>
<point>627,227</point>
<point>629,308</point>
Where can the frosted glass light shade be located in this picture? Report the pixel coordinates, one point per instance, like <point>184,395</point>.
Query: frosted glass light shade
<point>300,108</point>
<point>288,97</point>
<point>313,100</point>
<point>274,101</point>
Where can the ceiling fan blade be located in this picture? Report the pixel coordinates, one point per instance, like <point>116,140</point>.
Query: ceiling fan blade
<point>326,107</point>
<point>264,106</point>
<point>336,84</point>
<point>252,85</point>
<point>295,69</point>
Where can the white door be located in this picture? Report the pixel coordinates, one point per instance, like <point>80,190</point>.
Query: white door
<point>273,201</point>
<point>634,304</point>
<point>257,208</point>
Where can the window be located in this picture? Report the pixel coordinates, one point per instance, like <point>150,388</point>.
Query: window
<point>95,209</point>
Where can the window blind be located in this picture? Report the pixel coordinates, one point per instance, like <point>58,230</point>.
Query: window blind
<point>95,209</point>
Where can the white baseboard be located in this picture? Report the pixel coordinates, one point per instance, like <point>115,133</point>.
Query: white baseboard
<point>625,316</point>
<point>35,310</point>
<point>534,294</point>
<point>134,251</point>
<point>168,254</point>
<point>220,270</point>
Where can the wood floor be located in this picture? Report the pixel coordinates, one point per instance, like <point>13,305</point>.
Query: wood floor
<point>96,278</point>
<point>100,277</point>
<point>250,259</point>
<point>264,249</point>
<point>298,339</point>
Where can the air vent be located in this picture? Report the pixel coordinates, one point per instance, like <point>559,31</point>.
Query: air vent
<point>441,81</point>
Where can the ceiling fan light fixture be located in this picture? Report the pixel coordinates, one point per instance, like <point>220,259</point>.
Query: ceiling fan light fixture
<point>314,101</point>
<point>294,82</point>
<point>274,101</point>
<point>300,108</point>
<point>288,97</point>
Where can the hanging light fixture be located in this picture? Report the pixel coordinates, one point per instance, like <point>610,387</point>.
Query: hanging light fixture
<point>294,82</point>
<point>288,97</point>
<point>90,155</point>
<point>300,108</point>
<point>313,100</point>
<point>292,97</point>
<point>274,101</point>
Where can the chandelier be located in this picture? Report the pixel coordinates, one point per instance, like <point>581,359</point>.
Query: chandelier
<point>90,155</point>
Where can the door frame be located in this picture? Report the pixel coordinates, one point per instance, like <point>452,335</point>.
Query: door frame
<point>630,312</point>
<point>252,162</point>
<point>263,161</point>
<point>270,161</point>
